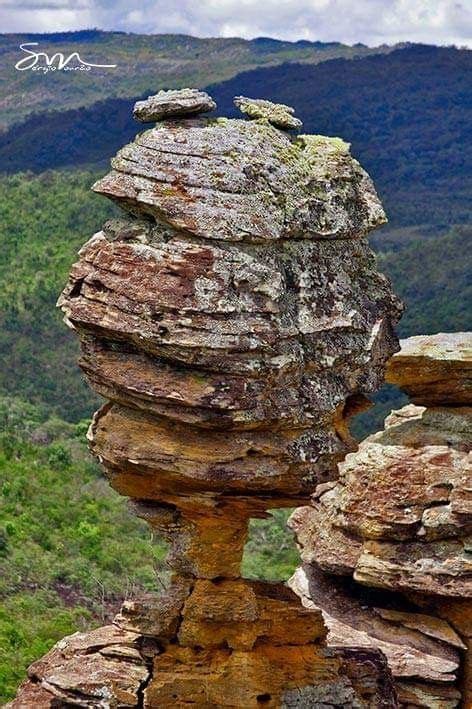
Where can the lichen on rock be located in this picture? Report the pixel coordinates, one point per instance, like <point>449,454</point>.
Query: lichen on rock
<point>278,114</point>
<point>183,102</point>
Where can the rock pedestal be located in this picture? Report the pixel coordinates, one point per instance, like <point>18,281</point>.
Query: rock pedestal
<point>399,519</point>
<point>234,319</point>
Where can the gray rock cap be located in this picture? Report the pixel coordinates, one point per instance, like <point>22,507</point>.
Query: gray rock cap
<point>181,102</point>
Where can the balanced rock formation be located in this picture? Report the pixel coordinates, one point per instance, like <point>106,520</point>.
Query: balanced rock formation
<point>186,102</point>
<point>278,114</point>
<point>234,319</point>
<point>400,517</point>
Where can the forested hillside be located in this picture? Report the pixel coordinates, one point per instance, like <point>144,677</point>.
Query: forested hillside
<point>407,115</point>
<point>43,222</point>
<point>144,64</point>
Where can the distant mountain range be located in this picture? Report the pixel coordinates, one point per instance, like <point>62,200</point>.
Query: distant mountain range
<point>145,63</point>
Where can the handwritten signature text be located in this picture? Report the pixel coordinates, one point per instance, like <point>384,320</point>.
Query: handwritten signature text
<point>40,61</point>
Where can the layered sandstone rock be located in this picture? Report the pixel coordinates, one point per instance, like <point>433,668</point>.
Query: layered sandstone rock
<point>185,102</point>
<point>120,669</point>
<point>234,319</point>
<point>399,517</point>
<point>107,667</point>
<point>435,370</point>
<point>422,650</point>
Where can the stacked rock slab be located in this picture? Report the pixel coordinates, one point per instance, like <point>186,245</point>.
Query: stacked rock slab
<point>423,651</point>
<point>400,519</point>
<point>233,318</point>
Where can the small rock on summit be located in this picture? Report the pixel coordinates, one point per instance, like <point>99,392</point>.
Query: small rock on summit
<point>181,102</point>
<point>278,114</point>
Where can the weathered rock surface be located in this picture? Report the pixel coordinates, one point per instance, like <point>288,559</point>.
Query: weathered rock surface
<point>230,180</point>
<point>234,319</point>
<point>459,614</point>
<point>400,516</point>
<point>271,676</point>
<point>422,651</point>
<point>103,668</point>
<point>435,369</point>
<point>278,114</point>
<point>164,104</point>
<point>251,646</point>
<point>191,338</point>
<point>229,312</point>
<point>206,534</point>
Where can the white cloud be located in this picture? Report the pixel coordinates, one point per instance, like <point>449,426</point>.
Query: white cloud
<point>369,21</point>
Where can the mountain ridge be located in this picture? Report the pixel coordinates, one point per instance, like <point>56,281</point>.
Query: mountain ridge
<point>145,63</point>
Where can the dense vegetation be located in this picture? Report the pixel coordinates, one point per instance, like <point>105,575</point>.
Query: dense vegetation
<point>432,275</point>
<point>43,222</point>
<point>430,270</point>
<point>61,568</point>
<point>145,63</point>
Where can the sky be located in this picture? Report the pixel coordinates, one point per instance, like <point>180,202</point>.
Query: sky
<point>372,22</point>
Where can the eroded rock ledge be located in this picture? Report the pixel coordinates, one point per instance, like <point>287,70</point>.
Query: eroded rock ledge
<point>234,318</point>
<point>399,519</point>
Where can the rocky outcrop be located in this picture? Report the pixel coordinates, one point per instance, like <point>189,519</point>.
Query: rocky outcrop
<point>399,517</point>
<point>435,370</point>
<point>108,667</point>
<point>422,650</point>
<point>186,102</point>
<point>400,513</point>
<point>234,319</point>
<point>278,114</point>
